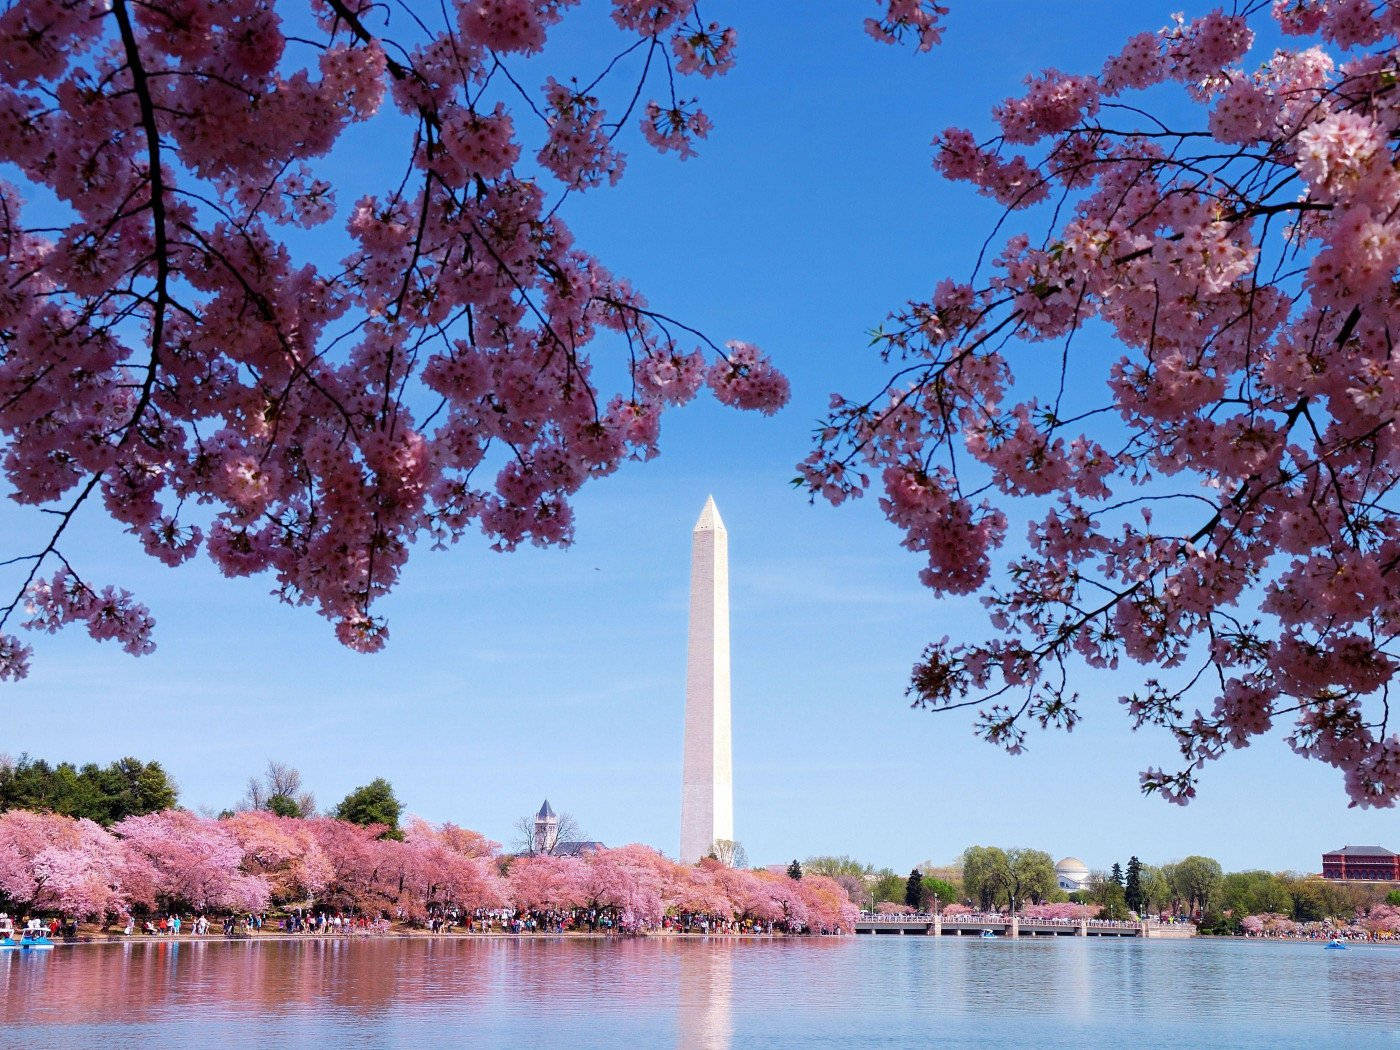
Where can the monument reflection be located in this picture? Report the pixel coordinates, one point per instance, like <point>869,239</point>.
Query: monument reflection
<point>704,1000</point>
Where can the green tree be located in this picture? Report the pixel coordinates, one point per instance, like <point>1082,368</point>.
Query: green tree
<point>914,889</point>
<point>1156,890</point>
<point>128,787</point>
<point>794,870</point>
<point>1254,893</point>
<point>1116,875</point>
<point>280,791</point>
<point>938,892</point>
<point>283,806</point>
<point>1215,921</point>
<point>1111,897</point>
<point>1132,886</point>
<point>1032,876</point>
<point>886,886</point>
<point>133,788</point>
<point>986,875</point>
<point>1195,882</point>
<point>372,804</point>
<point>1393,898</point>
<point>835,867</point>
<point>1309,901</point>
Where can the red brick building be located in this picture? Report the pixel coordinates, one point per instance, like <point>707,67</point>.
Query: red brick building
<point>1361,864</point>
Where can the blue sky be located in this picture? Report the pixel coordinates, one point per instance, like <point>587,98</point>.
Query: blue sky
<point>811,212</point>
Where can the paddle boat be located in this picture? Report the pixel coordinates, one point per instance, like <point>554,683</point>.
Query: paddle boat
<point>28,941</point>
<point>988,935</point>
<point>1336,945</point>
<point>33,937</point>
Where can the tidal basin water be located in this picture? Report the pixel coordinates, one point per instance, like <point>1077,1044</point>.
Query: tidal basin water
<point>713,994</point>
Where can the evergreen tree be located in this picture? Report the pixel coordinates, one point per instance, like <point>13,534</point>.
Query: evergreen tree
<point>283,806</point>
<point>1132,889</point>
<point>914,889</point>
<point>794,870</point>
<point>1116,875</point>
<point>126,788</point>
<point>372,804</point>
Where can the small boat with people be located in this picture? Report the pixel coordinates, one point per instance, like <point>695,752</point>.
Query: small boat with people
<point>1336,945</point>
<point>989,935</point>
<point>32,938</point>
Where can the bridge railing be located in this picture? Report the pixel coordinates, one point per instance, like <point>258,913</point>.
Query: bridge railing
<point>993,919</point>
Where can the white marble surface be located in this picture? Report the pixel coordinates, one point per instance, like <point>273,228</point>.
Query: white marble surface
<point>707,781</point>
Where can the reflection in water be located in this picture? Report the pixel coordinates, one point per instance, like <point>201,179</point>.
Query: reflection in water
<point>146,982</point>
<point>704,1000</point>
<point>703,994</point>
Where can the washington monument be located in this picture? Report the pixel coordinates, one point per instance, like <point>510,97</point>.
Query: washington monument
<point>707,780</point>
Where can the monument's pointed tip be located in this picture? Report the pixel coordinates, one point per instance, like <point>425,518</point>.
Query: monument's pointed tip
<point>709,517</point>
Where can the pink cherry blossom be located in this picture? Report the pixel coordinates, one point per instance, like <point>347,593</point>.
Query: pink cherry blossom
<point>173,354</point>
<point>918,18</point>
<point>1206,482</point>
<point>177,859</point>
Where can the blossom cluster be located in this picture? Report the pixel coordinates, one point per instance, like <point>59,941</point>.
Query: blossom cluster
<point>1379,920</point>
<point>1211,491</point>
<point>254,859</point>
<point>171,350</point>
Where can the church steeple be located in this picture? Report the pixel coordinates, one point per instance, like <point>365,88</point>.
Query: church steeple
<point>546,829</point>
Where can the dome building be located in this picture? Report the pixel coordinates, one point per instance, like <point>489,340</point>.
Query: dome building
<point>1072,875</point>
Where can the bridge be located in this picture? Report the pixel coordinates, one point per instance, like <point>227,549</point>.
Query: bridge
<point>1015,926</point>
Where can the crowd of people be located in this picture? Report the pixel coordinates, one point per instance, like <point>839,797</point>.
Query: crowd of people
<point>1379,923</point>
<point>446,921</point>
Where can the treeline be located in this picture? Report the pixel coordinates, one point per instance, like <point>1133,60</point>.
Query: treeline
<point>250,861</point>
<point>129,787</point>
<point>102,794</point>
<point>988,878</point>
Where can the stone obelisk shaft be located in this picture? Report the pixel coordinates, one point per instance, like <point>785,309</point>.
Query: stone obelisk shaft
<point>707,782</point>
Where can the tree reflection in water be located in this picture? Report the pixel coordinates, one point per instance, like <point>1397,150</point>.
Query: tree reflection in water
<point>142,983</point>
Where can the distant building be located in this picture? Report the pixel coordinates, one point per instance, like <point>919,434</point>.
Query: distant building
<point>1072,875</point>
<point>546,830</point>
<point>1361,864</point>
<point>546,836</point>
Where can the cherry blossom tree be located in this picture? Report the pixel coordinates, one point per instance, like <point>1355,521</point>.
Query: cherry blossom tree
<point>169,350</point>
<point>828,905</point>
<point>1209,478</point>
<point>50,862</point>
<point>23,835</point>
<point>177,859</point>
<point>630,882</point>
<point>544,882</point>
<point>1382,918</point>
<point>283,851</point>
<point>448,867</point>
<point>359,865</point>
<point>696,890</point>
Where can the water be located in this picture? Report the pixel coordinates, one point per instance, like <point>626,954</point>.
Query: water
<point>710,994</point>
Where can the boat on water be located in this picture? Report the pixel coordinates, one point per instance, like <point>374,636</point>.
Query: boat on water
<point>988,935</point>
<point>1336,945</point>
<point>29,940</point>
<point>32,938</point>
